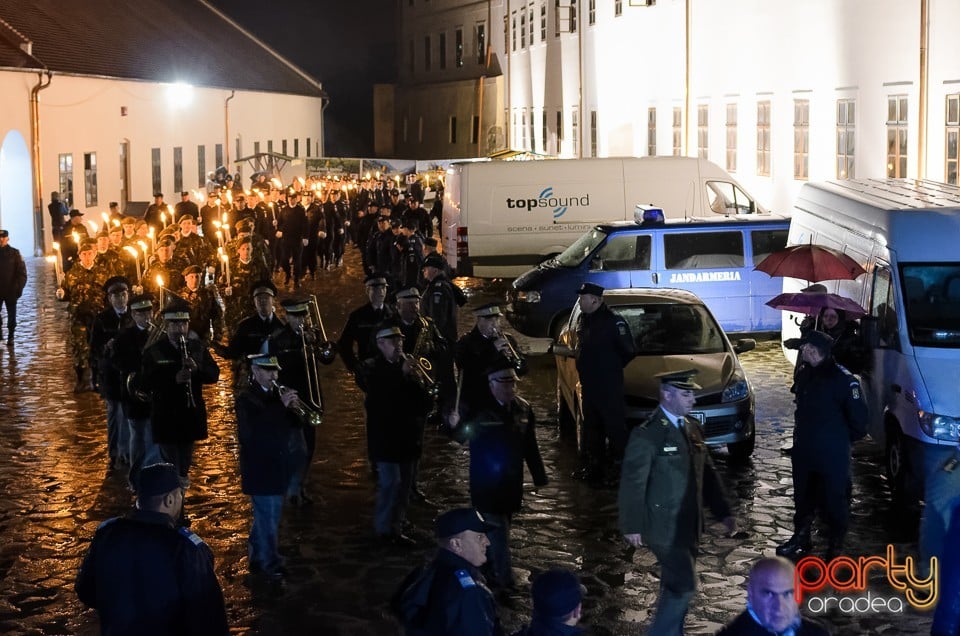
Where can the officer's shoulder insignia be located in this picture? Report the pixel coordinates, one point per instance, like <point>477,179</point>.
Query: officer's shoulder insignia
<point>855,390</point>
<point>622,327</point>
<point>186,533</point>
<point>844,369</point>
<point>466,581</point>
<point>107,522</point>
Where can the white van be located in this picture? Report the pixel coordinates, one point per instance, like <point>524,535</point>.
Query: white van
<point>906,235</point>
<point>500,218</point>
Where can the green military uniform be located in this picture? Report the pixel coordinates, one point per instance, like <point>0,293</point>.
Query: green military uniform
<point>204,310</point>
<point>109,264</point>
<point>82,289</point>
<point>193,250</point>
<point>239,304</point>
<point>172,280</point>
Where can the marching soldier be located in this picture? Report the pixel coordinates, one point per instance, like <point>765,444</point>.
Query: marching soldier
<point>174,371</point>
<point>107,262</point>
<point>477,350</point>
<point>245,272</point>
<point>441,298</point>
<point>336,213</point>
<point>254,330</point>
<point>106,327</point>
<point>80,289</point>
<point>163,271</point>
<point>73,235</point>
<point>206,313</point>
<point>186,207</point>
<point>356,340</point>
<point>154,211</point>
<point>314,220</point>
<point>300,348</point>
<point>379,249</point>
<point>209,213</point>
<point>292,232</point>
<point>410,244</point>
<point>191,249</point>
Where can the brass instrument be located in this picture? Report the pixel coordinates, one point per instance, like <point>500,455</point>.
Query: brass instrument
<point>157,331</point>
<point>303,411</point>
<point>327,350</point>
<point>421,374</point>
<point>509,352</point>
<point>309,351</point>
<point>191,403</point>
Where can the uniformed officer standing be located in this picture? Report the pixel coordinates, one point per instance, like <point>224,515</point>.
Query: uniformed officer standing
<point>378,250</point>
<point>502,438</point>
<point>292,232</point>
<point>271,453</point>
<point>831,413</point>
<point>450,596</point>
<point>106,327</point>
<point>185,206</point>
<point>441,298</point>
<point>605,348</point>
<point>85,297</point>
<point>356,340</point>
<point>144,575</point>
<point>478,349</point>
<point>410,244</point>
<point>152,216</point>
<point>13,278</point>
<point>174,371</point>
<point>667,476</point>
<point>254,330</point>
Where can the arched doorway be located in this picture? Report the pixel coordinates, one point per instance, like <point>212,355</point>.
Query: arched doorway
<point>16,192</point>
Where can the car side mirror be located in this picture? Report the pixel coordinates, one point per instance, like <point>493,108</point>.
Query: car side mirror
<point>744,344</point>
<point>562,350</point>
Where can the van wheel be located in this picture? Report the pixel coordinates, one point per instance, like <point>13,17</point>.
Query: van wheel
<point>559,322</point>
<point>895,463</point>
<point>741,451</point>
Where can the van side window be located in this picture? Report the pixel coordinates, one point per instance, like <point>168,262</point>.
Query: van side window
<point>623,253</point>
<point>726,198</point>
<point>882,308</point>
<point>766,242</point>
<point>703,250</point>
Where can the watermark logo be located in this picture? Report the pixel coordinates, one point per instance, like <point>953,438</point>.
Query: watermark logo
<point>547,199</point>
<point>849,578</point>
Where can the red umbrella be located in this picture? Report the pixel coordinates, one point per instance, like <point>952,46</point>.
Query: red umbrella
<point>811,263</point>
<point>811,303</point>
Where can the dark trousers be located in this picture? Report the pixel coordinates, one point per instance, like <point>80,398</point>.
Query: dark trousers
<point>603,419</point>
<point>292,251</point>
<point>393,493</point>
<point>180,455</point>
<point>830,492</point>
<point>263,544</point>
<point>677,587</point>
<point>309,258</point>
<point>498,552</point>
<point>11,303</point>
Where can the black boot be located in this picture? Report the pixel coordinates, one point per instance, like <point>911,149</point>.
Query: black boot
<point>834,548</point>
<point>797,546</point>
<point>78,387</point>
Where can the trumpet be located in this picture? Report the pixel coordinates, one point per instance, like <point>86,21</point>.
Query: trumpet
<point>509,352</point>
<point>421,374</point>
<point>191,403</point>
<point>306,413</point>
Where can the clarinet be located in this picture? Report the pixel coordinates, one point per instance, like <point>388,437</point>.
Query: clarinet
<point>189,385</point>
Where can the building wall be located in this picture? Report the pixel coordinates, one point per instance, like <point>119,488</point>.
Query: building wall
<point>90,115</point>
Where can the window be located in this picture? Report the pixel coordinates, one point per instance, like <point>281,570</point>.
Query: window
<point>513,32</point>
<point>952,133</point>
<point>801,138</point>
<point>475,129</point>
<point>703,130</point>
<point>523,128</point>
<point>403,129</point>
<point>543,22</point>
<point>846,128</point>
<point>178,169</point>
<point>523,29</point>
<point>617,8</point>
<point>932,303</point>
<point>426,53</point>
<point>573,16</point>
<point>559,129</point>
<point>652,131</point>
<point>530,21</point>
<point>575,132</point>
<point>283,147</point>
<point>420,129</point>
<point>90,178</point>
<point>270,145</point>
<point>411,55</point>
<point>533,130</point>
<point>155,179</point>
<point>513,128</point>
<point>731,137</point>
<point>593,133</point>
<point>556,18</point>
<point>897,136</point>
<point>623,252</point>
<point>591,11</point>
<point>703,250</point>
<point>309,146</point>
<point>201,166</point>
<point>65,163</point>
<point>677,131</point>
<point>218,154</point>
<point>481,39</point>
<point>453,130</point>
<point>296,147</point>
<point>458,43</point>
<point>442,43</point>
<point>256,148</point>
<point>724,197</point>
<point>766,242</point>
<point>763,139</point>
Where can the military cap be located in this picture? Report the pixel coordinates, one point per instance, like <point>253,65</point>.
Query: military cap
<point>141,301</point>
<point>394,192</point>
<point>244,241</point>
<point>184,194</point>
<point>485,311</point>
<point>292,193</point>
<point>4,234</point>
<point>165,240</point>
<point>264,361</point>
<point>114,227</point>
<point>395,222</point>
<point>157,194</point>
<point>818,339</point>
<point>264,287</point>
<point>186,217</point>
<point>590,288</point>
<point>555,593</point>
<point>244,225</point>
<point>372,203</point>
<point>375,280</point>
<point>128,220</point>
<point>116,282</point>
<point>458,520</point>
<point>104,232</point>
<point>410,223</point>
<point>389,331</point>
<point>680,379</point>
<point>502,370</point>
<point>191,269</point>
<point>114,204</point>
<point>177,310</point>
<point>157,479</point>
<point>75,212</point>
<point>87,244</point>
<point>295,306</point>
<point>409,293</point>
<point>434,260</point>
<point>430,241</point>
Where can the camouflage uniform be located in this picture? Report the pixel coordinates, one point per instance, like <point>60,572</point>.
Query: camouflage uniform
<point>82,290</point>
<point>239,304</point>
<point>172,279</point>
<point>109,264</point>
<point>205,307</point>
<point>193,250</point>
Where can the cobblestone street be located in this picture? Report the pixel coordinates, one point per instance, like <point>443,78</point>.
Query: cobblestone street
<point>56,490</point>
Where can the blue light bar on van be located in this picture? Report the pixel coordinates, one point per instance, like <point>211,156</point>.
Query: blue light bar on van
<point>647,215</point>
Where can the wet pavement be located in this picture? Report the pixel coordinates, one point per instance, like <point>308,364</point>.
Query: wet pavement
<point>55,490</point>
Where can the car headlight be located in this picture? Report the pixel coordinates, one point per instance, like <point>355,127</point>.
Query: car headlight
<point>942,427</point>
<point>527,296</point>
<point>736,390</point>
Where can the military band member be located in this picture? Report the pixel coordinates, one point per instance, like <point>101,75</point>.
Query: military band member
<point>356,340</point>
<point>106,327</point>
<point>85,297</point>
<point>300,348</point>
<point>441,298</point>
<point>410,245</point>
<point>477,350</point>
<point>254,330</point>
<point>174,371</point>
<point>206,314</point>
<point>378,252</point>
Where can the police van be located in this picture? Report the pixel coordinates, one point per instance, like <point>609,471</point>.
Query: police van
<point>713,258</point>
<point>905,234</point>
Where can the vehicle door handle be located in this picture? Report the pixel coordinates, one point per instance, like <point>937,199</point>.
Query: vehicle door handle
<point>655,278</point>
<point>896,388</point>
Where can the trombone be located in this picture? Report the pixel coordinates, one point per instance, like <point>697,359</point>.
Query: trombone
<point>310,351</point>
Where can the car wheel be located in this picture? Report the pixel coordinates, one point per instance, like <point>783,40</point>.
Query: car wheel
<point>741,451</point>
<point>559,322</point>
<point>565,419</point>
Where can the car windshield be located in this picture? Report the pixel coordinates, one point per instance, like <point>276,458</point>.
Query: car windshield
<point>932,301</point>
<point>672,329</point>
<point>581,248</point>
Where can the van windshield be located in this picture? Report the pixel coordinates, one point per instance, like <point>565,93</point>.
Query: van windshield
<point>931,296</point>
<point>581,248</point>
<point>672,329</point>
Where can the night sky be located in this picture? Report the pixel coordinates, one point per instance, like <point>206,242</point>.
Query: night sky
<point>348,45</point>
